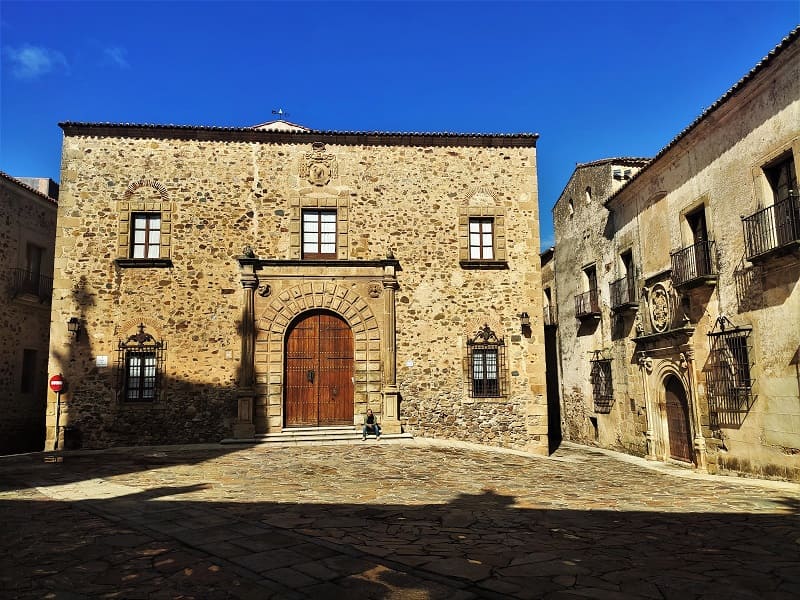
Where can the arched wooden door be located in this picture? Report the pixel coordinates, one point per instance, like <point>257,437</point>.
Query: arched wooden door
<point>319,371</point>
<point>680,435</point>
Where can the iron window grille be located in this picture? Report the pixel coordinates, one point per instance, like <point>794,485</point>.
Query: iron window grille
<point>486,356</point>
<point>728,377</point>
<point>140,364</point>
<point>602,388</point>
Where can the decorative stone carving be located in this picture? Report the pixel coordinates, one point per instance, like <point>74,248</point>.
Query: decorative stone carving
<point>318,166</point>
<point>645,362</point>
<point>264,290</point>
<point>375,288</point>
<point>660,303</point>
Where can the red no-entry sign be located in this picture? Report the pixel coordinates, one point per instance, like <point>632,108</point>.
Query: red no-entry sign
<point>56,383</point>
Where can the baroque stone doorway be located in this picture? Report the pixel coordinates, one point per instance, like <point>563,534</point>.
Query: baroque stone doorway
<point>318,371</point>
<point>680,435</point>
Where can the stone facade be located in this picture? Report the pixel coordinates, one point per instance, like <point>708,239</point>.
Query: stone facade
<point>697,266</point>
<point>27,233</point>
<point>229,281</point>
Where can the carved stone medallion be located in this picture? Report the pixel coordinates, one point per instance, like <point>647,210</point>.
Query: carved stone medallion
<point>660,307</point>
<point>318,166</point>
<point>375,289</point>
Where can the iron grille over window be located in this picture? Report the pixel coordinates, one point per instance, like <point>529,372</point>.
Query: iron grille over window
<point>140,363</point>
<point>728,378</point>
<point>602,389</point>
<point>486,354</point>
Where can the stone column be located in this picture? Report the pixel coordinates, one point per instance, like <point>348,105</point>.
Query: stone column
<point>390,419</point>
<point>645,368</point>
<point>688,364</point>
<point>244,427</point>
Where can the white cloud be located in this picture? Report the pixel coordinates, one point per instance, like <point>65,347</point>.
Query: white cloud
<point>116,56</point>
<point>30,62</point>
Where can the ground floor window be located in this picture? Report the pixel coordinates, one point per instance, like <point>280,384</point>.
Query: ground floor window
<point>486,357</point>
<point>140,365</point>
<point>602,388</point>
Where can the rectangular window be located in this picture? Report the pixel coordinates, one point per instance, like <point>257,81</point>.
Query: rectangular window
<point>146,235</point>
<point>319,234</point>
<point>602,389</point>
<point>782,178</point>
<point>28,380</point>
<point>481,239</point>
<point>484,373</point>
<point>728,378</point>
<point>140,370</point>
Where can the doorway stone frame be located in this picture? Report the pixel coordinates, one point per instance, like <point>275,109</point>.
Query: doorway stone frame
<point>275,293</point>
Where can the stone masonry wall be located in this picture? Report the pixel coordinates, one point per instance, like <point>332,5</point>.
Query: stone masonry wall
<point>223,195</point>
<point>25,217</point>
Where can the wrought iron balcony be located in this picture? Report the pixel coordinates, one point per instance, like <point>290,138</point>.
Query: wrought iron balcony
<point>623,294</point>
<point>694,265</point>
<point>28,282</point>
<point>773,230</point>
<point>587,304</point>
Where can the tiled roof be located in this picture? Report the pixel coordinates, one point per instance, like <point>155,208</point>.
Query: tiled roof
<point>735,89</point>
<point>343,137</point>
<point>25,186</point>
<point>626,161</point>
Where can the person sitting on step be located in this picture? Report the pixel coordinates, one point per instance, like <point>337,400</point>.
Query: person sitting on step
<point>371,426</point>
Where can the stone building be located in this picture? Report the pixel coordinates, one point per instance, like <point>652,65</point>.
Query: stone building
<point>27,234</point>
<point>240,282</point>
<point>678,297</point>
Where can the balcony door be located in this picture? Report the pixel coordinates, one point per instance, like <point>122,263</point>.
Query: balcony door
<point>319,371</point>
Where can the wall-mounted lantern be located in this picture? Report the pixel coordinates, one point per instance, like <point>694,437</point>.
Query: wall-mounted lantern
<point>74,327</point>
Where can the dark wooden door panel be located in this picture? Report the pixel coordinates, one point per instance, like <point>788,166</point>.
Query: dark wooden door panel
<point>319,372</point>
<point>680,437</point>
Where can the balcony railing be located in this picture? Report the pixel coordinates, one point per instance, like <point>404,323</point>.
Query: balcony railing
<point>29,282</point>
<point>550,316</point>
<point>695,264</point>
<point>623,293</point>
<point>587,304</point>
<point>772,228</point>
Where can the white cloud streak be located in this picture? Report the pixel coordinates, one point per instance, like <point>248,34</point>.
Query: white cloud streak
<point>32,62</point>
<point>116,56</point>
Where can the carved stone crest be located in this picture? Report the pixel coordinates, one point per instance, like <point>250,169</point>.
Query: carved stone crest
<point>660,303</point>
<point>318,166</point>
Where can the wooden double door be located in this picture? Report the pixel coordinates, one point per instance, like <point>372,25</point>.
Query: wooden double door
<point>680,434</point>
<point>319,371</point>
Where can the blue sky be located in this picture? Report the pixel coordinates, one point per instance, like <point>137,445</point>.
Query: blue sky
<point>594,79</point>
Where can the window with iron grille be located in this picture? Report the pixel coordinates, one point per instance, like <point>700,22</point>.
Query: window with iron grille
<point>486,354</point>
<point>140,364</point>
<point>602,388</point>
<point>146,235</point>
<point>728,378</point>
<point>319,234</point>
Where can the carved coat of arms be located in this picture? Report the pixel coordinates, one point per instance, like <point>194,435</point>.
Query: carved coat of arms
<point>318,166</point>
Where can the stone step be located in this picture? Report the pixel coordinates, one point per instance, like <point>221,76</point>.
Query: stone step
<point>297,436</point>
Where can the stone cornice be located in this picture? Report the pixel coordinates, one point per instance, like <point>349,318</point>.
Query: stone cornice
<point>345,138</point>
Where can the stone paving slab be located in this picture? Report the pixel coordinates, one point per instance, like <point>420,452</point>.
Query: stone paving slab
<point>423,520</point>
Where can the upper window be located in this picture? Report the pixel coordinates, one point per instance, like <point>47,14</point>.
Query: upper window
<point>486,357</point>
<point>140,364</point>
<point>146,235</point>
<point>481,239</point>
<point>782,178</point>
<point>319,234</point>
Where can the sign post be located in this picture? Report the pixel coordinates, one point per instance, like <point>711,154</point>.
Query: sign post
<point>57,384</point>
